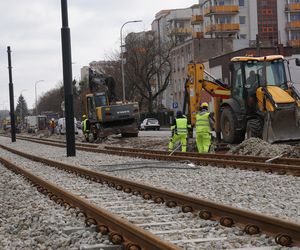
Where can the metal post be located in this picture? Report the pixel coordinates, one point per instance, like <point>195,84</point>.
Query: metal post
<point>36,107</point>
<point>67,77</point>
<point>122,61</point>
<point>11,99</point>
<point>257,45</point>
<point>159,72</point>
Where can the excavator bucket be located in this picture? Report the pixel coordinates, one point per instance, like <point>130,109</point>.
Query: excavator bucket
<point>282,125</point>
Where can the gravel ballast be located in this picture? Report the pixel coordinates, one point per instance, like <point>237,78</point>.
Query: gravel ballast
<point>224,237</point>
<point>29,220</point>
<point>270,194</point>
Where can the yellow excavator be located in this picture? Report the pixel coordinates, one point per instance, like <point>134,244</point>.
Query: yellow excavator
<point>260,101</point>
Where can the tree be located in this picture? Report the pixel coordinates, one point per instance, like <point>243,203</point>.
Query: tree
<point>21,109</point>
<point>51,100</point>
<point>146,63</point>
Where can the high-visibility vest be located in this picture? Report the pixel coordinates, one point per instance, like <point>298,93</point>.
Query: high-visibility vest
<point>202,123</point>
<point>85,126</point>
<point>181,124</point>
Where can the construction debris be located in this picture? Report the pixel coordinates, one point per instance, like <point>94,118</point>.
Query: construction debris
<point>258,147</point>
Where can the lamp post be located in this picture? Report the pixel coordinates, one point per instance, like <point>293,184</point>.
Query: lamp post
<point>21,108</point>
<point>36,109</point>
<point>122,62</point>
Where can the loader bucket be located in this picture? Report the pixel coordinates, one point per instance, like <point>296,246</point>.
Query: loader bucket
<point>282,125</point>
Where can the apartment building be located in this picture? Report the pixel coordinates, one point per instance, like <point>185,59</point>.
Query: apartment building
<point>243,23</point>
<point>275,21</point>
<point>176,26</point>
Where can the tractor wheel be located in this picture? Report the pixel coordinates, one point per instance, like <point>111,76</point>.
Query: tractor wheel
<point>229,127</point>
<point>254,128</point>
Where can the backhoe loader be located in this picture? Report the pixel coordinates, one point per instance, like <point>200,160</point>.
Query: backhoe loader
<point>260,101</point>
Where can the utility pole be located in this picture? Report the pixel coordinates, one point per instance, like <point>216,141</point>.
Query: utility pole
<point>257,45</point>
<point>11,99</point>
<point>158,72</point>
<point>122,59</point>
<point>67,77</point>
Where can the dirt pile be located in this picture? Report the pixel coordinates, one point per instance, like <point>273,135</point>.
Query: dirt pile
<point>256,146</point>
<point>136,142</point>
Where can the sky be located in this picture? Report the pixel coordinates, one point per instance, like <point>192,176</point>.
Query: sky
<point>32,29</point>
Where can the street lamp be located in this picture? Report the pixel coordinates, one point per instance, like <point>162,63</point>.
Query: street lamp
<point>36,109</point>
<point>122,62</point>
<point>21,108</point>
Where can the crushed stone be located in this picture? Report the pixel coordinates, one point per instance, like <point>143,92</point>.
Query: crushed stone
<point>259,147</point>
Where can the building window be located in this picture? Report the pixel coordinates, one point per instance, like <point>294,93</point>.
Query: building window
<point>242,20</point>
<point>295,17</point>
<point>241,2</point>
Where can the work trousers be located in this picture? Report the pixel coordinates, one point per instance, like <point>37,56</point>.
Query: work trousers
<point>203,141</point>
<point>175,138</point>
<point>86,135</point>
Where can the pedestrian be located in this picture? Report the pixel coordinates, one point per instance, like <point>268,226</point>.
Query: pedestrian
<point>52,126</point>
<point>204,125</point>
<point>179,130</point>
<point>85,127</point>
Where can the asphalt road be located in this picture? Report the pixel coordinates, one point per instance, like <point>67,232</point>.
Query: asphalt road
<point>163,132</point>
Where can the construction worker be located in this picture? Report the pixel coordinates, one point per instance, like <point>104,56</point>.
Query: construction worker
<point>179,130</point>
<point>85,127</point>
<point>204,123</point>
<point>52,126</point>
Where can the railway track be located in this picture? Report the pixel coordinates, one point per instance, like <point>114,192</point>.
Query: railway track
<point>290,166</point>
<point>285,233</point>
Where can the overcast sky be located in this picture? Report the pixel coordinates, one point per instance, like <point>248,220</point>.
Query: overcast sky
<point>32,29</point>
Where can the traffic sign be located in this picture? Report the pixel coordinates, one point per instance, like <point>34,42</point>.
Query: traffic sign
<point>175,105</point>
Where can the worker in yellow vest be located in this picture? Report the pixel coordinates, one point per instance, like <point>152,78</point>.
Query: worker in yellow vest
<point>179,130</point>
<point>204,124</point>
<point>85,127</point>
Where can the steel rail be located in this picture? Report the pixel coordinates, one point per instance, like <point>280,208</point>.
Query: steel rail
<point>120,230</point>
<point>281,160</point>
<point>245,165</point>
<point>196,158</point>
<point>286,233</point>
<point>287,161</point>
<point>57,141</point>
<point>263,159</point>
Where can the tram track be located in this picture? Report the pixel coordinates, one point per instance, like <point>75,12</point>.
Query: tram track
<point>290,166</point>
<point>285,232</point>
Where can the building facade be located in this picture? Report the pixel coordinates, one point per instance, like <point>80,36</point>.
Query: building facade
<point>237,23</point>
<point>274,21</point>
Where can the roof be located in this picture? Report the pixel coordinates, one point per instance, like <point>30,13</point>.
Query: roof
<point>260,59</point>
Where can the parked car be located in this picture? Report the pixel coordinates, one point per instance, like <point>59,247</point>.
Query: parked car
<point>61,126</point>
<point>150,124</point>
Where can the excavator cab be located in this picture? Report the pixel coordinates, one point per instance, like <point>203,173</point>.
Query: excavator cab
<point>263,102</point>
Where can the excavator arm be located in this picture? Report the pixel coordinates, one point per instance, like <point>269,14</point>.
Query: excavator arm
<point>102,83</point>
<point>198,80</point>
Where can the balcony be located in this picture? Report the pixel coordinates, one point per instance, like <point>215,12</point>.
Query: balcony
<point>222,28</point>
<point>198,35</point>
<point>292,7</point>
<point>294,43</point>
<point>196,19</point>
<point>294,25</point>
<point>182,31</point>
<point>221,10</point>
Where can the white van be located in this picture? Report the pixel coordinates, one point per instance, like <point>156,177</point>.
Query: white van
<point>61,126</point>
